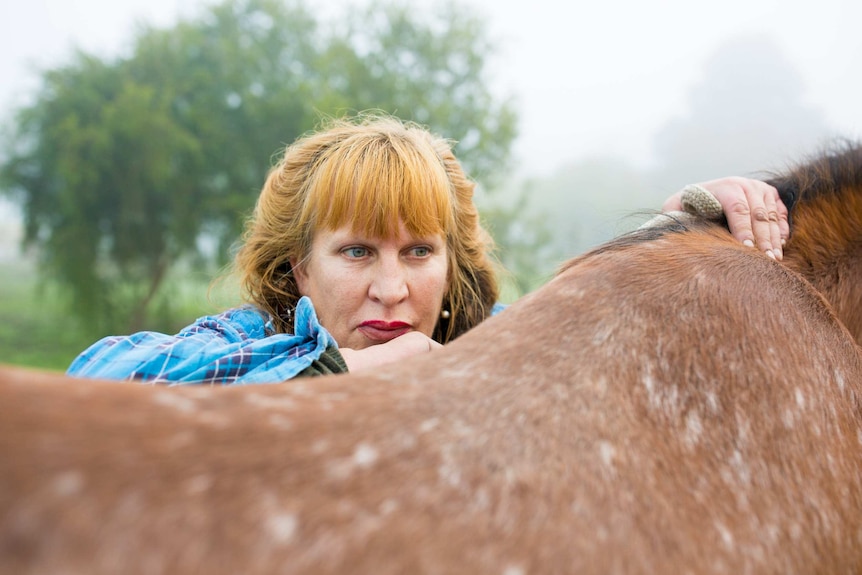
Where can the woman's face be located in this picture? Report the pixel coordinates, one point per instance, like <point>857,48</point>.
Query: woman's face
<point>369,290</point>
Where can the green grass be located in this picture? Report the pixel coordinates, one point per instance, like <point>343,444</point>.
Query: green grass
<point>35,330</point>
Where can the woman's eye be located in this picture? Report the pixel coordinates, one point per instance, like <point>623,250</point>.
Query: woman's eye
<point>421,251</point>
<point>355,252</point>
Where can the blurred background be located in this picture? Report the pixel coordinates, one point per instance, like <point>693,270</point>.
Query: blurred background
<point>135,134</point>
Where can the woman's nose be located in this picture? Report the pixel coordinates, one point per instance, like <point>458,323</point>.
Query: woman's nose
<point>389,283</point>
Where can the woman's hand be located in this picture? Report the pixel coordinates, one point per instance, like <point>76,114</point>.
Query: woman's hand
<point>408,345</point>
<point>755,214</point>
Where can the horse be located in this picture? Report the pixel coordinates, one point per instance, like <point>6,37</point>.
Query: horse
<point>670,402</point>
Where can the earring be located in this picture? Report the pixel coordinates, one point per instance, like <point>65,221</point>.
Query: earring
<point>445,314</point>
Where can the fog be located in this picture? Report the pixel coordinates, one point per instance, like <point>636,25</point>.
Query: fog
<point>597,78</point>
<point>651,94</point>
<point>605,78</point>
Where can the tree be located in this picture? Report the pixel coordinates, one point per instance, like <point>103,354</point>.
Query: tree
<point>103,174</point>
<point>122,166</point>
<point>432,73</point>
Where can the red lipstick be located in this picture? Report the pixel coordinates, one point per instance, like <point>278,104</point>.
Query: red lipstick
<point>382,331</point>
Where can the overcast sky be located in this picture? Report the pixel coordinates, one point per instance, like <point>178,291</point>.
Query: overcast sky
<point>590,78</point>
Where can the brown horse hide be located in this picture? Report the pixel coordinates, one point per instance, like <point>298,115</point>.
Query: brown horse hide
<point>672,402</point>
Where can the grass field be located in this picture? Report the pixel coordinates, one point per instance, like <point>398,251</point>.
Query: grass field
<point>35,330</point>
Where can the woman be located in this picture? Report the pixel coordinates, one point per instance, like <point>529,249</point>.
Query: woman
<point>371,219</point>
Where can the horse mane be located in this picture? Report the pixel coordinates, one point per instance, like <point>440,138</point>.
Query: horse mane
<point>824,196</point>
<point>834,169</point>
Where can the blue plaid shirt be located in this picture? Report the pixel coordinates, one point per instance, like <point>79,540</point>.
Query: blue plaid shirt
<point>238,346</point>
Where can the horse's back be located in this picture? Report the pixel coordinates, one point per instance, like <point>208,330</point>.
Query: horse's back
<point>671,402</point>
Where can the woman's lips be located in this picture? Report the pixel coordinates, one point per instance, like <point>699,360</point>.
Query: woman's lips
<point>383,331</point>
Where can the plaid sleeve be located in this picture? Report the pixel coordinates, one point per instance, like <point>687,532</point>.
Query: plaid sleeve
<point>229,348</point>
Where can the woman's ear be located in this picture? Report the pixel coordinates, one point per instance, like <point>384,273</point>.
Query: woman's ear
<point>298,275</point>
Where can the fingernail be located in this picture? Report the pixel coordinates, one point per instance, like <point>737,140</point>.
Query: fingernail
<point>783,242</point>
<point>748,243</point>
<point>770,254</point>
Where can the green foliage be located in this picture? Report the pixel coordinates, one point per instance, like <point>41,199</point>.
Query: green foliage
<point>432,73</point>
<point>36,331</point>
<point>103,172</point>
<point>124,167</point>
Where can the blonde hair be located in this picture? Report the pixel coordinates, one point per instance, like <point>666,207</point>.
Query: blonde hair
<point>374,169</point>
